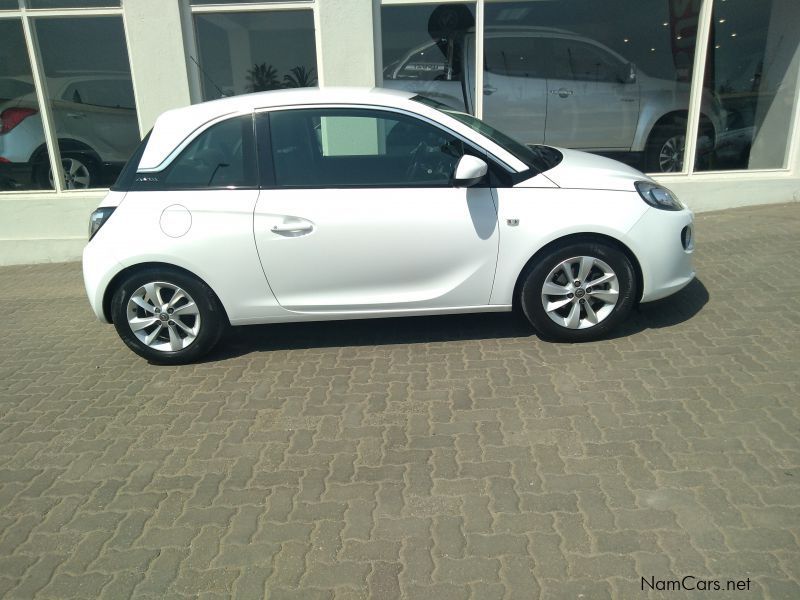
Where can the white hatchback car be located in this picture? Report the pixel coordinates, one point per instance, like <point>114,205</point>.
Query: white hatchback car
<point>308,205</point>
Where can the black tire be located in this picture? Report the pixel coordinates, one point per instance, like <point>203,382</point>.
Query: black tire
<point>532,299</point>
<point>667,136</point>
<point>210,325</point>
<point>88,173</point>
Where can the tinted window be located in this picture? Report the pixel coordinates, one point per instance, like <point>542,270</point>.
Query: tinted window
<point>583,62</point>
<point>343,148</point>
<point>222,156</point>
<point>85,63</point>
<point>515,57</point>
<point>243,52</point>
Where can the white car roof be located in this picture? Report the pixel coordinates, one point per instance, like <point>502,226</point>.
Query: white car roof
<point>175,127</point>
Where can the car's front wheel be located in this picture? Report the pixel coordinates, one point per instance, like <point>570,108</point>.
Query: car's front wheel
<point>578,292</point>
<point>166,316</point>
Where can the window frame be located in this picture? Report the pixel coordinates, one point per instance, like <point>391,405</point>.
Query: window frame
<point>195,72</point>
<point>143,181</point>
<point>26,17</point>
<point>498,175</point>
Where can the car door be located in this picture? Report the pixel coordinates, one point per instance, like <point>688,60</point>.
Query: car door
<point>359,214</point>
<point>197,213</point>
<point>515,86</point>
<point>592,101</point>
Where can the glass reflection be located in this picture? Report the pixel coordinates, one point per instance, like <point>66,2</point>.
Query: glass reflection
<point>430,50</point>
<point>254,52</point>
<point>72,3</point>
<point>88,85</point>
<point>23,152</point>
<point>610,77</point>
<point>753,58</point>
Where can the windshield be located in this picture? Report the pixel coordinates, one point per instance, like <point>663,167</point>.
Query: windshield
<point>540,158</point>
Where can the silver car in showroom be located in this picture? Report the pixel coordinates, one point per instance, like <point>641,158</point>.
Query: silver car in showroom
<point>95,120</point>
<point>551,86</point>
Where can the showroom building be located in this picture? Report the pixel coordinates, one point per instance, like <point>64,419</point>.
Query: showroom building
<point>702,94</point>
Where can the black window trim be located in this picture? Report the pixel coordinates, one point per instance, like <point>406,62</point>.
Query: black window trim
<point>264,145</point>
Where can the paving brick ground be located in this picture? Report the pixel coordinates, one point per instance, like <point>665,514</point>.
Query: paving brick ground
<point>447,457</point>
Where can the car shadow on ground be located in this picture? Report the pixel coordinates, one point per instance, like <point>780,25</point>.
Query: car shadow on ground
<point>240,341</point>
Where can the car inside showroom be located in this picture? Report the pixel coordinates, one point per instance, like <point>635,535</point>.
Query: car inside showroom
<point>701,94</point>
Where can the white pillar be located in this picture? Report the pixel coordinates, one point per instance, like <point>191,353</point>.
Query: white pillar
<point>156,52</point>
<point>345,42</point>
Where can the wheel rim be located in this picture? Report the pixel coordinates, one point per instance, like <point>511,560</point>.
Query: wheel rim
<point>76,174</point>
<point>163,316</point>
<point>580,292</point>
<point>670,157</point>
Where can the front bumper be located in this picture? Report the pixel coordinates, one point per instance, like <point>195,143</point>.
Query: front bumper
<point>663,241</point>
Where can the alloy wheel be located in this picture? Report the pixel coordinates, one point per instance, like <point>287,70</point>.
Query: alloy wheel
<point>670,157</point>
<point>76,174</point>
<point>163,316</point>
<point>580,292</point>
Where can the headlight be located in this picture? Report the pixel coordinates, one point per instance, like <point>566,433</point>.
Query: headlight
<point>658,196</point>
<point>98,218</point>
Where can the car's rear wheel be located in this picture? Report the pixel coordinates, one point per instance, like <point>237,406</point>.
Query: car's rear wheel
<point>166,316</point>
<point>578,292</point>
<point>80,173</point>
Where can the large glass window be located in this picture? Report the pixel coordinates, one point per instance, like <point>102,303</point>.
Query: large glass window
<point>608,77</point>
<point>255,51</point>
<point>429,49</point>
<point>754,53</point>
<point>204,2</point>
<point>352,148</point>
<point>23,151</point>
<point>88,86</point>
<point>71,3</point>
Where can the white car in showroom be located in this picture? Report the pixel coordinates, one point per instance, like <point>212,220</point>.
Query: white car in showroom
<point>311,205</point>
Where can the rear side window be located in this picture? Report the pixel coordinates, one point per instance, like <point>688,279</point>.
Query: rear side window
<point>516,57</point>
<point>223,156</point>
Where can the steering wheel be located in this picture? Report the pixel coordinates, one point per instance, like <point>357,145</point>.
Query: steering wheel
<point>431,161</point>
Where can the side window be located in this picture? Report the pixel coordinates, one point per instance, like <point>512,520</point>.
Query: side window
<point>515,57</point>
<point>579,61</point>
<point>360,148</point>
<point>223,156</point>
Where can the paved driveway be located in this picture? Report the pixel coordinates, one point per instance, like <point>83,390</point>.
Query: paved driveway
<point>446,457</point>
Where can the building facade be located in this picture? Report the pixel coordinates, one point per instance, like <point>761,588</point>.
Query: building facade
<point>702,94</point>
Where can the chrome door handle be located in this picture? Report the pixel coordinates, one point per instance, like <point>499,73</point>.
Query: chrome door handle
<point>488,90</point>
<point>296,227</point>
<point>562,92</point>
<point>76,115</point>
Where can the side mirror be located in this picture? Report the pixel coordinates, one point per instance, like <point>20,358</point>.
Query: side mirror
<point>631,73</point>
<point>469,171</point>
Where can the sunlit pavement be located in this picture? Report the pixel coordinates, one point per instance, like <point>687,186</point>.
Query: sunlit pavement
<point>442,457</point>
